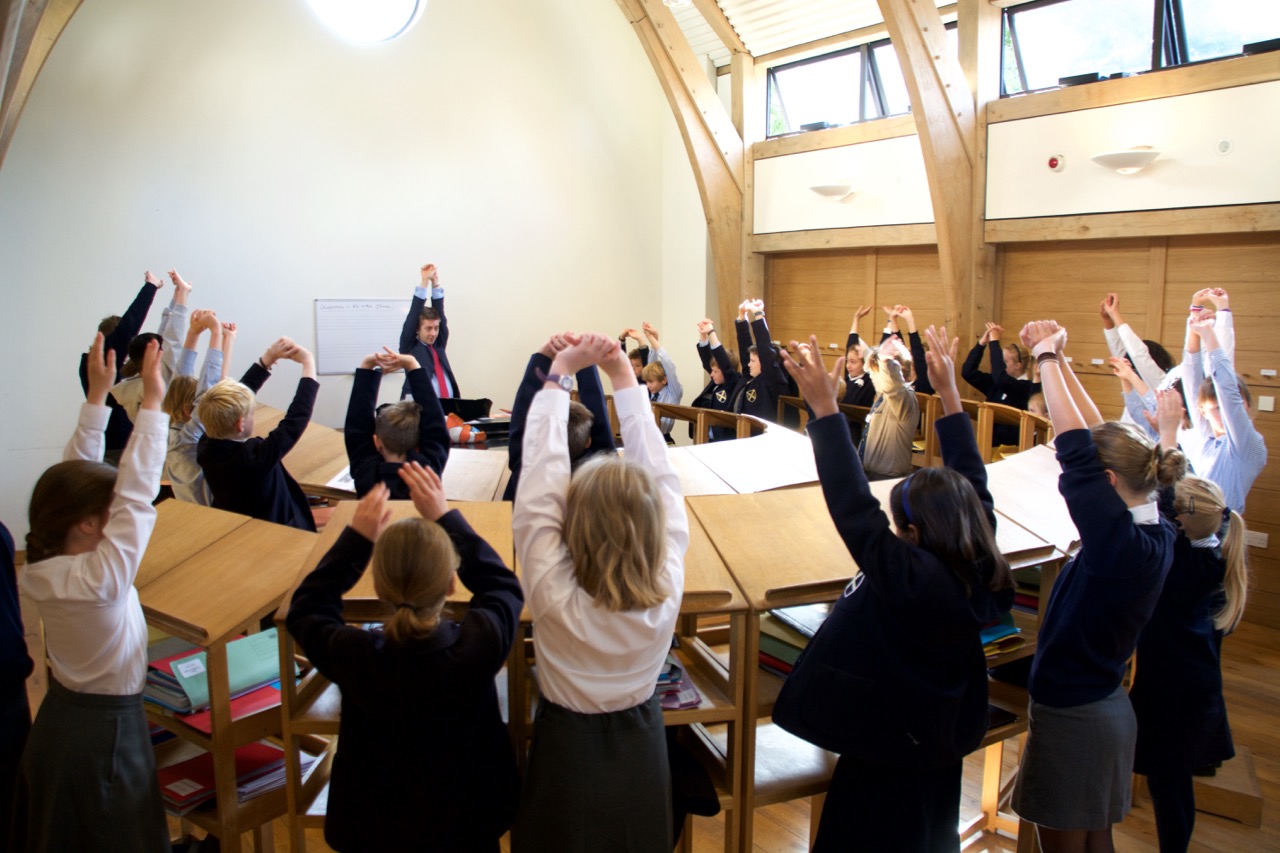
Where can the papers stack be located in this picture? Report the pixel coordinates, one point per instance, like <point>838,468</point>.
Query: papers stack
<point>177,680</point>
<point>676,692</point>
<point>188,784</point>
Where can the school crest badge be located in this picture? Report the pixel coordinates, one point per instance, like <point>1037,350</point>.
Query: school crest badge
<point>722,396</point>
<point>751,396</point>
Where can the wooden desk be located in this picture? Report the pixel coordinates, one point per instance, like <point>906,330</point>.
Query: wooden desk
<point>210,576</point>
<point>1025,488</point>
<point>475,475</point>
<point>695,477</point>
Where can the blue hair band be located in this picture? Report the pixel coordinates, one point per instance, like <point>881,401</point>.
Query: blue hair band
<point>906,504</point>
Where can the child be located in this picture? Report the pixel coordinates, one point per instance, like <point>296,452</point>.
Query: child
<point>88,773</point>
<point>859,390</point>
<point>913,369</point>
<point>891,427</point>
<point>603,569</point>
<point>1009,382</point>
<point>659,376</point>
<point>1076,768</point>
<point>244,473</point>
<point>380,440</point>
<point>725,378</point>
<point>904,717</point>
<point>424,760</point>
<point>766,380</point>
<point>185,430</point>
<point>426,334</point>
<point>639,356</point>
<point>1223,445</point>
<point>589,430</point>
<point>118,331</point>
<point>1177,689</point>
<point>173,329</point>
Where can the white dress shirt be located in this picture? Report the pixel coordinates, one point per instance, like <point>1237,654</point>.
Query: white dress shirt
<point>592,660</point>
<point>95,634</point>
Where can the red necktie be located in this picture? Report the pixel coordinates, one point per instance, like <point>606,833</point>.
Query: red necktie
<point>440,378</point>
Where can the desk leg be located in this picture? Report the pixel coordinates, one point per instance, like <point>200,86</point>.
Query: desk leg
<point>750,645</point>
<point>264,838</point>
<point>518,697</point>
<point>224,753</point>
<point>992,763</point>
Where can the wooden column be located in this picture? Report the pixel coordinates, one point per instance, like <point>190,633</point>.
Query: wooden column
<point>980,33</point>
<point>31,28</point>
<point>944,112</point>
<point>714,145</point>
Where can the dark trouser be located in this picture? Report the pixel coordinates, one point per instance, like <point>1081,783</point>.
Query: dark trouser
<point>882,809</point>
<point>1174,800</point>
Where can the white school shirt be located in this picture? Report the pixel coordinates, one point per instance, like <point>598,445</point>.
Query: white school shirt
<point>592,660</point>
<point>95,634</point>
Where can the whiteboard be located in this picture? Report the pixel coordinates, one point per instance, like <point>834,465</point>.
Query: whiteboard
<point>349,329</point>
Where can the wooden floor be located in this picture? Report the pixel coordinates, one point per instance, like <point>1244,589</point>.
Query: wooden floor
<point>1251,671</point>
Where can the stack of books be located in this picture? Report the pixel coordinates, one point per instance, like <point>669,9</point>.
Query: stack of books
<point>1001,636</point>
<point>177,679</point>
<point>188,784</point>
<point>1026,595</point>
<point>676,692</point>
<point>785,633</point>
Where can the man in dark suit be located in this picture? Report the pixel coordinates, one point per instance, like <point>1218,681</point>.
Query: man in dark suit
<point>426,334</point>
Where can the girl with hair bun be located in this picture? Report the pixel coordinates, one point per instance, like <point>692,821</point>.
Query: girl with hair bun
<point>1074,782</point>
<point>1177,689</point>
<point>424,761</point>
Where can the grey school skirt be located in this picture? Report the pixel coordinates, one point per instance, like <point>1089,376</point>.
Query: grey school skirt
<point>596,782</point>
<point>88,779</point>
<point>1077,768</point>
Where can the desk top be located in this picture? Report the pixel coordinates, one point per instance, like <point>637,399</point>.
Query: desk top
<point>475,475</point>
<point>318,457</point>
<point>1025,488</point>
<point>777,564</point>
<point>779,458</point>
<point>182,530</point>
<point>695,477</point>
<point>226,582</point>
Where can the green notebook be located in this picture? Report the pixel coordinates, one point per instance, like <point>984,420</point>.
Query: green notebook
<point>252,661</point>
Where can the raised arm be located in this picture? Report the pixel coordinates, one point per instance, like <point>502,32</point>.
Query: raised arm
<point>955,430</point>
<point>971,371</point>
<point>359,427</point>
<point>433,431</point>
<point>1069,407</point>
<point>286,434</point>
<point>409,331</point>
<point>591,395</point>
<point>89,439</point>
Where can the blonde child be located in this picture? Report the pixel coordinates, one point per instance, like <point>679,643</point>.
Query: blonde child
<point>1074,782</point>
<point>1177,689</point>
<point>891,427</point>
<point>181,468</point>
<point>603,562</point>
<point>424,760</point>
<point>88,774</point>
<point>659,376</point>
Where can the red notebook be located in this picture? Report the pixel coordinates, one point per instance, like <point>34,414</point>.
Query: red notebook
<point>252,702</point>
<point>191,781</point>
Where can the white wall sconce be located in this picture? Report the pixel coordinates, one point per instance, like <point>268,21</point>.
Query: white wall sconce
<point>1127,162</point>
<point>369,21</point>
<point>834,192</point>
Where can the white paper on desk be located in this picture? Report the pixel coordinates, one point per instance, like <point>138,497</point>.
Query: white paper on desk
<point>343,482</point>
<point>777,459</point>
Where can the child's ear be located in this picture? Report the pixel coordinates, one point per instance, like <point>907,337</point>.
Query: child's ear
<point>913,534</point>
<point>1111,477</point>
<point>588,444</point>
<point>377,443</point>
<point>453,583</point>
<point>240,426</point>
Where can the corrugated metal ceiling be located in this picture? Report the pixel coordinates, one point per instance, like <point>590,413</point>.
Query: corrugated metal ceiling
<point>766,26</point>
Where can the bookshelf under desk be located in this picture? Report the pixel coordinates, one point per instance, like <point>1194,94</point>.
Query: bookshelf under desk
<point>207,576</point>
<point>312,706</point>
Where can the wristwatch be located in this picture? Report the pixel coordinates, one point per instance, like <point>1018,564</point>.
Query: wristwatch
<point>565,382</point>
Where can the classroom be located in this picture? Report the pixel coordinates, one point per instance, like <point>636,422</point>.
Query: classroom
<point>595,165</point>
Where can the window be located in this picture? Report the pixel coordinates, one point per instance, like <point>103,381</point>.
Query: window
<point>849,86</point>
<point>1048,41</point>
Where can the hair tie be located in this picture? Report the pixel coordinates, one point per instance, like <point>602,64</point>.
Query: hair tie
<point>906,504</point>
<point>405,604</point>
<point>1226,513</point>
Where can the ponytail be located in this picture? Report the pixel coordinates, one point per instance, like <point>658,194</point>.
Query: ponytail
<point>1236,581</point>
<point>413,565</point>
<point>1136,460</point>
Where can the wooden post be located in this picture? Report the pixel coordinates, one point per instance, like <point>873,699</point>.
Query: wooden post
<point>31,28</point>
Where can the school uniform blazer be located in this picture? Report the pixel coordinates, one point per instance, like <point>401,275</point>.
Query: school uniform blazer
<point>590,394</point>
<point>1106,594</point>
<point>119,427</point>
<point>896,674</point>
<point>998,387</point>
<point>718,397</point>
<point>427,353</point>
<point>247,476</point>
<point>1177,689</point>
<point>424,760</point>
<point>758,395</point>
<point>368,468</point>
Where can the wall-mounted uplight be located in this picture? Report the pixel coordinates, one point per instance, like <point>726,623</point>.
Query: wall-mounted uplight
<point>835,192</point>
<point>1129,161</point>
<point>368,21</point>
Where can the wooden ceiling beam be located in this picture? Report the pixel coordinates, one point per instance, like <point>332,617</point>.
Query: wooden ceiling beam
<point>31,28</point>
<point>715,18</point>
<point>714,146</point>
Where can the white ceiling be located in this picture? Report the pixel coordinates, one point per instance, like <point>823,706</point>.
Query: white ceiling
<point>766,26</point>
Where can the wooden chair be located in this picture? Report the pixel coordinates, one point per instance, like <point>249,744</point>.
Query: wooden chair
<point>1035,430</point>
<point>707,418</point>
<point>787,403</point>
<point>930,410</point>
<point>686,414</point>
<point>983,421</point>
<point>1005,416</point>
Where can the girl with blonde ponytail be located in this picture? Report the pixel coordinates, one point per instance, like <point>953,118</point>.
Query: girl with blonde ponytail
<point>1177,690</point>
<point>1074,781</point>
<point>424,761</point>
